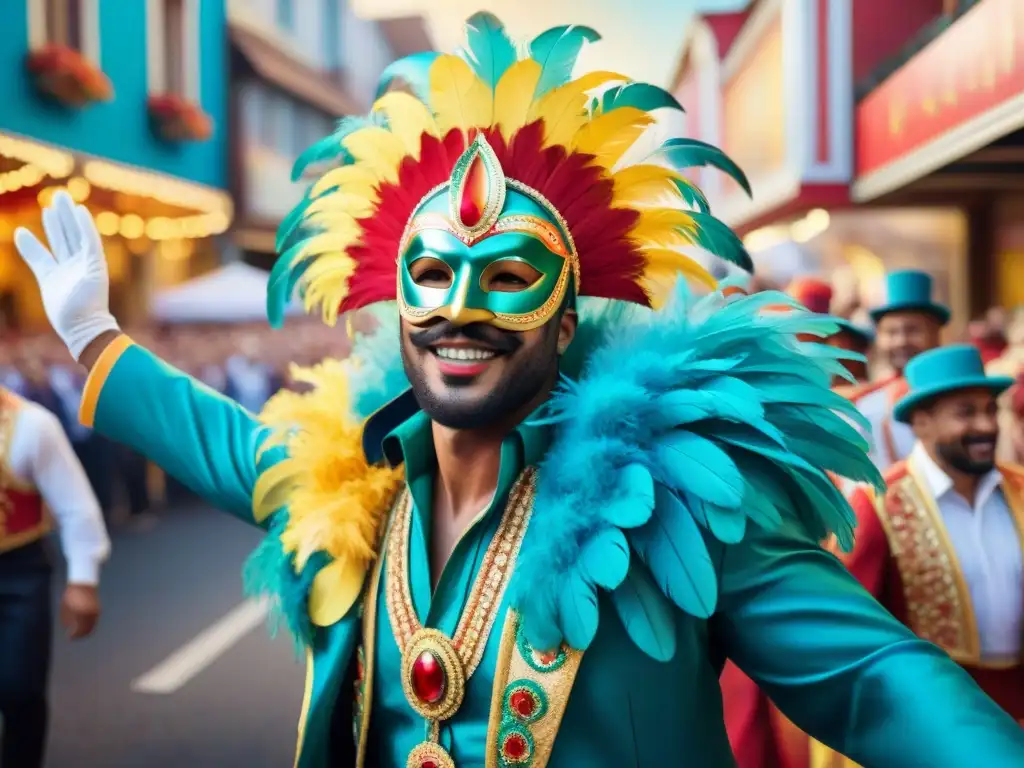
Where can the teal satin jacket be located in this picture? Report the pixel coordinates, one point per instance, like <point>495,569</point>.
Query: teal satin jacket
<point>788,614</point>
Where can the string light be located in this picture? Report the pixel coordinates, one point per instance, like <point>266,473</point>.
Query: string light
<point>132,226</point>
<point>164,189</point>
<point>26,176</point>
<point>108,223</point>
<point>79,189</point>
<point>53,162</point>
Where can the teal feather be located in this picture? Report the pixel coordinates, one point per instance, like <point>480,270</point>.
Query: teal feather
<point>684,153</point>
<point>692,196</point>
<point>674,550</point>
<point>818,492</point>
<point>635,502</point>
<point>577,609</point>
<point>490,51</point>
<point>646,615</point>
<point>330,147</point>
<point>727,524</point>
<point>719,239</point>
<point>639,95</point>
<point>284,275</point>
<point>414,70</point>
<point>604,561</point>
<point>709,472</point>
<point>556,51</point>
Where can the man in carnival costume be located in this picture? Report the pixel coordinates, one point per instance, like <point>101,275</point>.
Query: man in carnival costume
<point>511,572</point>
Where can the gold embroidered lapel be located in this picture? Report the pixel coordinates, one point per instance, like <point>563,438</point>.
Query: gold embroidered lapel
<point>938,602</point>
<point>531,691</point>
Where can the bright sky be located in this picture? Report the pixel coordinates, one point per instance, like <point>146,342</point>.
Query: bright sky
<point>641,39</point>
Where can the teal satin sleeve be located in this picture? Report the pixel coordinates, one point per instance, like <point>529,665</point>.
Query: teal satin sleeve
<point>206,441</point>
<point>847,672</point>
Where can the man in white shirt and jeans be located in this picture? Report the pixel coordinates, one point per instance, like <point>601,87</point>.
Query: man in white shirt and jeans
<point>942,549</point>
<point>39,474</point>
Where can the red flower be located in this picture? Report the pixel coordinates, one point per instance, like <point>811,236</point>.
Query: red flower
<point>178,119</point>
<point>67,75</point>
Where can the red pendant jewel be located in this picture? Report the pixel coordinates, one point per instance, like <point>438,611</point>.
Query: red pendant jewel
<point>429,679</point>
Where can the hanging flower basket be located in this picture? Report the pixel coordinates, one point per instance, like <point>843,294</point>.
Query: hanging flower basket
<point>62,73</point>
<point>176,119</point>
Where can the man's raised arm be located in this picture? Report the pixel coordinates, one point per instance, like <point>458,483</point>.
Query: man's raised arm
<point>206,441</point>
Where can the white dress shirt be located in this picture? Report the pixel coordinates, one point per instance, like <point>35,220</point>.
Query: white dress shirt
<point>41,456</point>
<point>988,547</point>
<point>877,409</point>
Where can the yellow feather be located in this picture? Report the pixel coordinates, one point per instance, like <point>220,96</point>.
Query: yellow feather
<point>408,118</point>
<point>337,502</point>
<point>340,238</point>
<point>353,179</point>
<point>644,185</point>
<point>564,109</point>
<point>458,97</point>
<point>663,265</point>
<point>335,590</point>
<point>514,95</point>
<point>609,135</point>
<point>377,149</point>
<point>356,206</point>
<point>663,226</point>
<point>272,489</point>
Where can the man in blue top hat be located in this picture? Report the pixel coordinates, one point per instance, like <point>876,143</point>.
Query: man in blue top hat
<point>907,324</point>
<point>942,549</point>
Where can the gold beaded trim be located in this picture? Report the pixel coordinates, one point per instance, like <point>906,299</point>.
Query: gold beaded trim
<point>495,571</point>
<point>939,606</point>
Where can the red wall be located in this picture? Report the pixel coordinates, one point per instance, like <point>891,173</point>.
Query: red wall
<point>882,27</point>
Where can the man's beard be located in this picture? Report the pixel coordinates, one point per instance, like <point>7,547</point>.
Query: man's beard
<point>526,375</point>
<point>956,454</point>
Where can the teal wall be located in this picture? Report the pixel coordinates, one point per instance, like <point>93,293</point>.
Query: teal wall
<point>119,129</point>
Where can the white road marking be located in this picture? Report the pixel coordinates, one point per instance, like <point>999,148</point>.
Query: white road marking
<point>205,648</point>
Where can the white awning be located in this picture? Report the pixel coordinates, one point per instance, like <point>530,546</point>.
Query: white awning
<point>234,293</point>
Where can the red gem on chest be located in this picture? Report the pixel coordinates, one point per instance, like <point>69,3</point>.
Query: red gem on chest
<point>429,764</point>
<point>515,747</point>
<point>522,702</point>
<point>429,679</point>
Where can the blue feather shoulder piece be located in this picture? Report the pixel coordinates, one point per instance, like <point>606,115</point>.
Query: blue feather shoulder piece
<point>685,428</point>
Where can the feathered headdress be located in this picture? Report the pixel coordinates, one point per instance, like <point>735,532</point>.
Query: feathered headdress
<point>564,140</point>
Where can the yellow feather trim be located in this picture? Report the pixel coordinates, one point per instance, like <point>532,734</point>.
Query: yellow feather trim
<point>356,206</point>
<point>337,503</point>
<point>514,95</point>
<point>663,227</point>
<point>640,186</point>
<point>408,119</point>
<point>352,179</point>
<point>378,149</point>
<point>662,269</point>
<point>458,97</point>
<point>608,136</point>
<point>564,109</point>
<point>326,284</point>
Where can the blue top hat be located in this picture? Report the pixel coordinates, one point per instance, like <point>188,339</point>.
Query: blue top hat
<point>942,370</point>
<point>910,290</point>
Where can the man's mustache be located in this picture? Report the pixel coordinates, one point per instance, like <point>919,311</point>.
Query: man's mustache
<point>488,335</point>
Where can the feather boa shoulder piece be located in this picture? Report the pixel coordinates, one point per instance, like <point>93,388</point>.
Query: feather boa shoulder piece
<point>686,427</point>
<point>673,429</point>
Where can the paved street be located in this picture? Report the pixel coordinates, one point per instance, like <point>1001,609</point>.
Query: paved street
<point>170,592</point>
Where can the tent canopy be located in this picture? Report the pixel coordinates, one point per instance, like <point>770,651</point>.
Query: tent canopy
<point>234,293</point>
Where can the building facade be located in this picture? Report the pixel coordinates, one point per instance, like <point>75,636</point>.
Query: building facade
<point>125,106</point>
<point>296,68</point>
<point>877,136</point>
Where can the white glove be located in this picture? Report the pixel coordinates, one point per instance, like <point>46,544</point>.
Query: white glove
<point>73,280</point>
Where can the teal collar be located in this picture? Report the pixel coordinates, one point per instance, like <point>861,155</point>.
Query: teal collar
<point>399,433</point>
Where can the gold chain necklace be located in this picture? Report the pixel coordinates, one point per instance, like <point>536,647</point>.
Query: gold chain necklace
<point>435,668</point>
